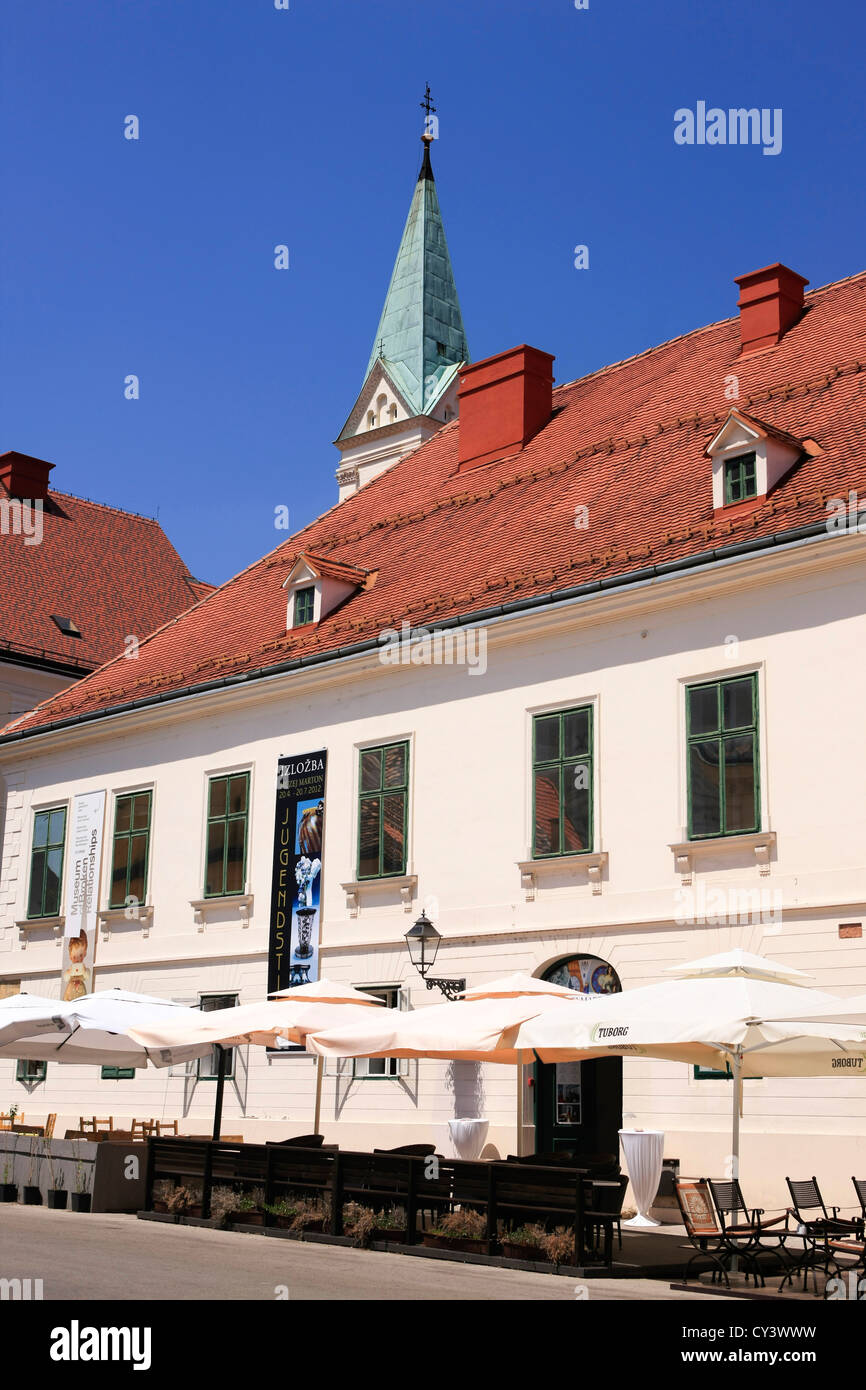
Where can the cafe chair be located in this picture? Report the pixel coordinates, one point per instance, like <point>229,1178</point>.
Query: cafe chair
<point>747,1226</point>
<point>706,1233</point>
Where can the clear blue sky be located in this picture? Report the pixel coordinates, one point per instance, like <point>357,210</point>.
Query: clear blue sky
<point>261,127</point>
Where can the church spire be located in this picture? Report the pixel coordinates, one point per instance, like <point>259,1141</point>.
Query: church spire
<point>420,334</point>
<point>410,385</point>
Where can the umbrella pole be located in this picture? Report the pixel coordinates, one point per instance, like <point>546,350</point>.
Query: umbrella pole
<point>320,1066</point>
<point>520,1105</point>
<point>221,1082</point>
<point>737,1089</point>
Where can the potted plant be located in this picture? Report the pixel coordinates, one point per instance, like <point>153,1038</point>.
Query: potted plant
<point>559,1245</point>
<point>81,1197</point>
<point>57,1194</point>
<point>222,1204</point>
<point>283,1211</point>
<point>32,1192</point>
<point>459,1230</point>
<point>367,1225</point>
<point>249,1208</point>
<point>162,1190</point>
<point>311,1215</point>
<point>525,1243</point>
<point>8,1189</point>
<point>185,1201</point>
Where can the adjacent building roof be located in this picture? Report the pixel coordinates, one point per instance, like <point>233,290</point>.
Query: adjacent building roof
<point>108,573</point>
<point>626,442</point>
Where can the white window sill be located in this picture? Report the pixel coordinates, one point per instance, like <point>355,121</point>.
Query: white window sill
<point>243,902</point>
<point>28,924</point>
<point>757,843</point>
<point>405,884</point>
<point>116,916</point>
<point>591,865</point>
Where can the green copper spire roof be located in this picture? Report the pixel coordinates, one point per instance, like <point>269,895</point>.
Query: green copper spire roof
<point>420,335</point>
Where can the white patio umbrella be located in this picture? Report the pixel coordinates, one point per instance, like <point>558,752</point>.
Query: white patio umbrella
<point>850,1012</point>
<point>275,1023</point>
<point>730,1015</point>
<point>515,986</point>
<point>92,1030</point>
<point>522,985</point>
<point>21,1013</point>
<point>326,992</point>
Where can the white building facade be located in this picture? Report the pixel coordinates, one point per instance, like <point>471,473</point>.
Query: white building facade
<point>647,745</point>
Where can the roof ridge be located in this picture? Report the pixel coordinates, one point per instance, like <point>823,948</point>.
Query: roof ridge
<point>105,507</point>
<point>694,333</point>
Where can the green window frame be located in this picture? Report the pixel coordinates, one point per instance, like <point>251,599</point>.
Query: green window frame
<point>741,478</point>
<point>207,1067</point>
<point>723,757</point>
<point>383,810</point>
<point>228,803</point>
<point>117,1074</point>
<point>130,848</point>
<point>305,603</point>
<point>712,1074</point>
<point>562,782</point>
<point>382,1068</point>
<point>46,863</point>
<point>30,1070</point>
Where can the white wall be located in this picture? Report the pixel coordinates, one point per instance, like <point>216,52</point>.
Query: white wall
<point>798,621</point>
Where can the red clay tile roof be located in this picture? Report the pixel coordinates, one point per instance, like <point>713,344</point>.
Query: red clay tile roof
<point>627,442</point>
<point>112,573</point>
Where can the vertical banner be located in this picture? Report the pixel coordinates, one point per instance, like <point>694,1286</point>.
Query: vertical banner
<point>82,891</point>
<point>296,891</point>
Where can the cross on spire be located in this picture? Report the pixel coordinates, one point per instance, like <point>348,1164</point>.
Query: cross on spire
<point>427,104</point>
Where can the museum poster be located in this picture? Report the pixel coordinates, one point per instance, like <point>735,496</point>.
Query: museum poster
<point>82,886</point>
<point>296,891</point>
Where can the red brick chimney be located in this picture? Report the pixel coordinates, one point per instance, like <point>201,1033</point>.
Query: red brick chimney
<point>770,302</point>
<point>23,476</point>
<point>503,401</point>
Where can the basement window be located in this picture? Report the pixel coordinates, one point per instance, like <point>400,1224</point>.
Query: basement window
<point>304,604</point>
<point>741,478</point>
<point>66,626</point>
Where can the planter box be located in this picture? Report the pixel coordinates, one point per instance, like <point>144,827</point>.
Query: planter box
<point>32,1197</point>
<point>8,1192</point>
<point>239,1217</point>
<point>462,1243</point>
<point>80,1201</point>
<point>160,1206</point>
<point>312,1228</point>
<point>57,1197</point>
<point>533,1253</point>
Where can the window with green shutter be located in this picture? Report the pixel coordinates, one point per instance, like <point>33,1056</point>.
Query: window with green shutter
<point>131,848</point>
<point>741,478</point>
<point>562,755</point>
<point>30,1071</point>
<point>383,810</point>
<point>118,1074</point>
<point>208,1066</point>
<point>304,605</point>
<point>227,816</point>
<point>46,862</point>
<point>723,770</point>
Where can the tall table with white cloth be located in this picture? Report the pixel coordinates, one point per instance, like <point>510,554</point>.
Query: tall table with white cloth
<point>644,1151</point>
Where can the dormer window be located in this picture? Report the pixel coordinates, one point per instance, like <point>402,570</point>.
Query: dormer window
<point>305,602</point>
<point>741,478</point>
<point>316,585</point>
<point>749,458</point>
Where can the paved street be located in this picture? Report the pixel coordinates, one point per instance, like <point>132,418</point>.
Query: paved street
<point>119,1257</point>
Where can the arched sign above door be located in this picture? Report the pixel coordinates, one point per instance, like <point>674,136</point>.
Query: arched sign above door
<point>585,974</point>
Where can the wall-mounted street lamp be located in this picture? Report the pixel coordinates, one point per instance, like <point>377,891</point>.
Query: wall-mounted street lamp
<point>423,943</point>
